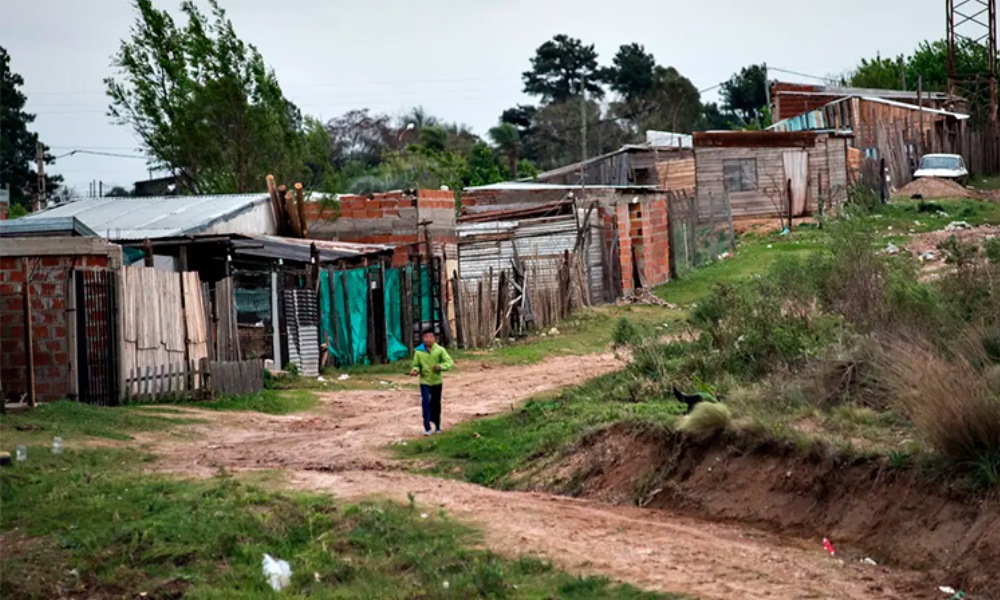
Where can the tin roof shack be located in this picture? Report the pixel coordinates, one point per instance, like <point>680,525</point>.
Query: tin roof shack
<point>58,332</point>
<point>633,221</point>
<point>897,131</point>
<point>791,99</point>
<point>762,174</point>
<point>662,167</point>
<point>254,282</point>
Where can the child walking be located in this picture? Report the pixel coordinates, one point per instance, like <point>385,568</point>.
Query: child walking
<point>429,361</point>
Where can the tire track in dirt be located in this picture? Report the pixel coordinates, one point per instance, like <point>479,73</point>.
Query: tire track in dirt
<point>340,449</point>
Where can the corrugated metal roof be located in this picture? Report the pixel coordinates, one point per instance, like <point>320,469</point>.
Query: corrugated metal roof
<point>299,250</point>
<point>815,120</point>
<point>39,227</point>
<point>153,216</point>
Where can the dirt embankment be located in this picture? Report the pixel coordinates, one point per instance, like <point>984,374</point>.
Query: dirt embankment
<point>868,510</point>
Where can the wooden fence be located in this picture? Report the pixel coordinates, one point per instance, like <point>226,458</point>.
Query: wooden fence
<point>509,302</point>
<point>194,380</point>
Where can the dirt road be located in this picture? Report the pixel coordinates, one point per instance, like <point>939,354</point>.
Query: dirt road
<point>340,449</point>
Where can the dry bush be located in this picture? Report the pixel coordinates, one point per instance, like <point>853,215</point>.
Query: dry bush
<point>950,399</point>
<point>706,418</point>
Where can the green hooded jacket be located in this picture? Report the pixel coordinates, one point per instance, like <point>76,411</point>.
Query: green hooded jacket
<point>424,362</point>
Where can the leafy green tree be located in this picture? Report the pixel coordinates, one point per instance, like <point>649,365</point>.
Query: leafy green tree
<point>633,72</point>
<point>508,141</point>
<point>18,145</point>
<point>744,94</point>
<point>561,69</point>
<point>712,118</point>
<point>483,167</point>
<point>522,117</point>
<point>203,103</point>
<point>878,73</point>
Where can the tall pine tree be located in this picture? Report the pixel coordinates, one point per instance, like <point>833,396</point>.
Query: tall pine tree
<point>17,142</point>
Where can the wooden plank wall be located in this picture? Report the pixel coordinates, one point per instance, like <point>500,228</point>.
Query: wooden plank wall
<point>676,175</point>
<point>827,176</point>
<point>165,326</point>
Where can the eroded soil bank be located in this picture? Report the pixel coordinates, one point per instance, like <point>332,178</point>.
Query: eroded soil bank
<point>893,516</point>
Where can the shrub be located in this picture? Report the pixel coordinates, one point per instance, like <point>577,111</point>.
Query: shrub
<point>625,333</point>
<point>951,401</point>
<point>706,418</point>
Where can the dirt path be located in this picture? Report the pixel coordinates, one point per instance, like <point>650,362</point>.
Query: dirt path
<point>339,449</point>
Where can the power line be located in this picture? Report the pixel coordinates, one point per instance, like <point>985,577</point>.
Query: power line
<point>817,77</point>
<point>96,153</point>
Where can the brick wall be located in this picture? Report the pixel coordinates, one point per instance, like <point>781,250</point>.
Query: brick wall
<point>50,284</point>
<point>642,226</point>
<point>390,218</point>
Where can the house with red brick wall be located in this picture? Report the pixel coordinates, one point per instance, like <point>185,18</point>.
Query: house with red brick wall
<point>47,329</point>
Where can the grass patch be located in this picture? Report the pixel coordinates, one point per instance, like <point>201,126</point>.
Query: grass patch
<point>75,420</point>
<point>272,402</point>
<point>753,256</point>
<point>488,451</point>
<point>85,524</point>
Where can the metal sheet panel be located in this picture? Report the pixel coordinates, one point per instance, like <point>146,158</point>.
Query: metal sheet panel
<point>166,216</point>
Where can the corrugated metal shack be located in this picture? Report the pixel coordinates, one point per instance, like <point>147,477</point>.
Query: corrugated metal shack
<point>528,266</point>
<point>770,174</point>
<point>792,99</point>
<point>252,282</point>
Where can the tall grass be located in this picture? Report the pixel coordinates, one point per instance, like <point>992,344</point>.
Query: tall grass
<point>951,400</point>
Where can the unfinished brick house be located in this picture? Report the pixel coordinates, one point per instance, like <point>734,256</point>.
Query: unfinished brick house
<point>399,218</point>
<point>56,295</point>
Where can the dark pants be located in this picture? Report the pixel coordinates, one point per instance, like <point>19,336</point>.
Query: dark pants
<point>430,396</point>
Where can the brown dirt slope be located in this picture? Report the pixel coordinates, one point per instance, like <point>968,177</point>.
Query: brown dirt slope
<point>340,449</point>
<point>891,516</point>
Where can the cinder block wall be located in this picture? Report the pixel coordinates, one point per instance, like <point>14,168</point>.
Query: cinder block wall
<point>391,218</point>
<point>644,226</point>
<point>50,285</point>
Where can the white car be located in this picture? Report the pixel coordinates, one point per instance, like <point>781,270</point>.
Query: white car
<point>943,166</point>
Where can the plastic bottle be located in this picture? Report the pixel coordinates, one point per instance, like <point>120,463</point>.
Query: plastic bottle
<point>57,445</point>
<point>22,453</point>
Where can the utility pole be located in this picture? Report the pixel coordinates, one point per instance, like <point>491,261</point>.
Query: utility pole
<point>583,119</point>
<point>974,22</point>
<point>767,95</point>
<point>40,191</point>
<point>902,72</point>
<point>920,112</point>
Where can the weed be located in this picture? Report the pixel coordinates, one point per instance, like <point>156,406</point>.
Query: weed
<point>707,418</point>
<point>899,460</point>
<point>269,401</point>
<point>74,420</point>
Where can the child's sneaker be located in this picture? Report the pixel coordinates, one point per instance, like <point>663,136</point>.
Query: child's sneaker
<point>438,430</point>
<point>428,432</point>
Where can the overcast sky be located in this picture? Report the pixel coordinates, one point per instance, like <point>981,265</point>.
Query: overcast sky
<point>460,59</point>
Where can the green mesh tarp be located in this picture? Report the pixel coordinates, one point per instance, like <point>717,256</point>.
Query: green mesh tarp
<point>346,349</point>
<point>393,317</point>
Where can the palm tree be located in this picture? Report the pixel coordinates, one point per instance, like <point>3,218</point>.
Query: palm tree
<point>508,140</point>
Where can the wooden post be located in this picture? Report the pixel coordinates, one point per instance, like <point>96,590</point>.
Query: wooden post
<point>300,204</point>
<point>29,343</point>
<point>147,252</point>
<point>791,210</point>
<point>275,320</point>
<point>920,112</point>
<point>459,326</point>
<point>276,209</point>
<point>384,333</point>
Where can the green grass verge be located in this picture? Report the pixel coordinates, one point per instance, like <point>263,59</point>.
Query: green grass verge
<point>488,451</point>
<point>85,524</point>
<point>272,402</point>
<point>75,420</point>
<point>753,256</point>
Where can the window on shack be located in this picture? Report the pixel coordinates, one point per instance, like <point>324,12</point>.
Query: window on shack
<point>740,174</point>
